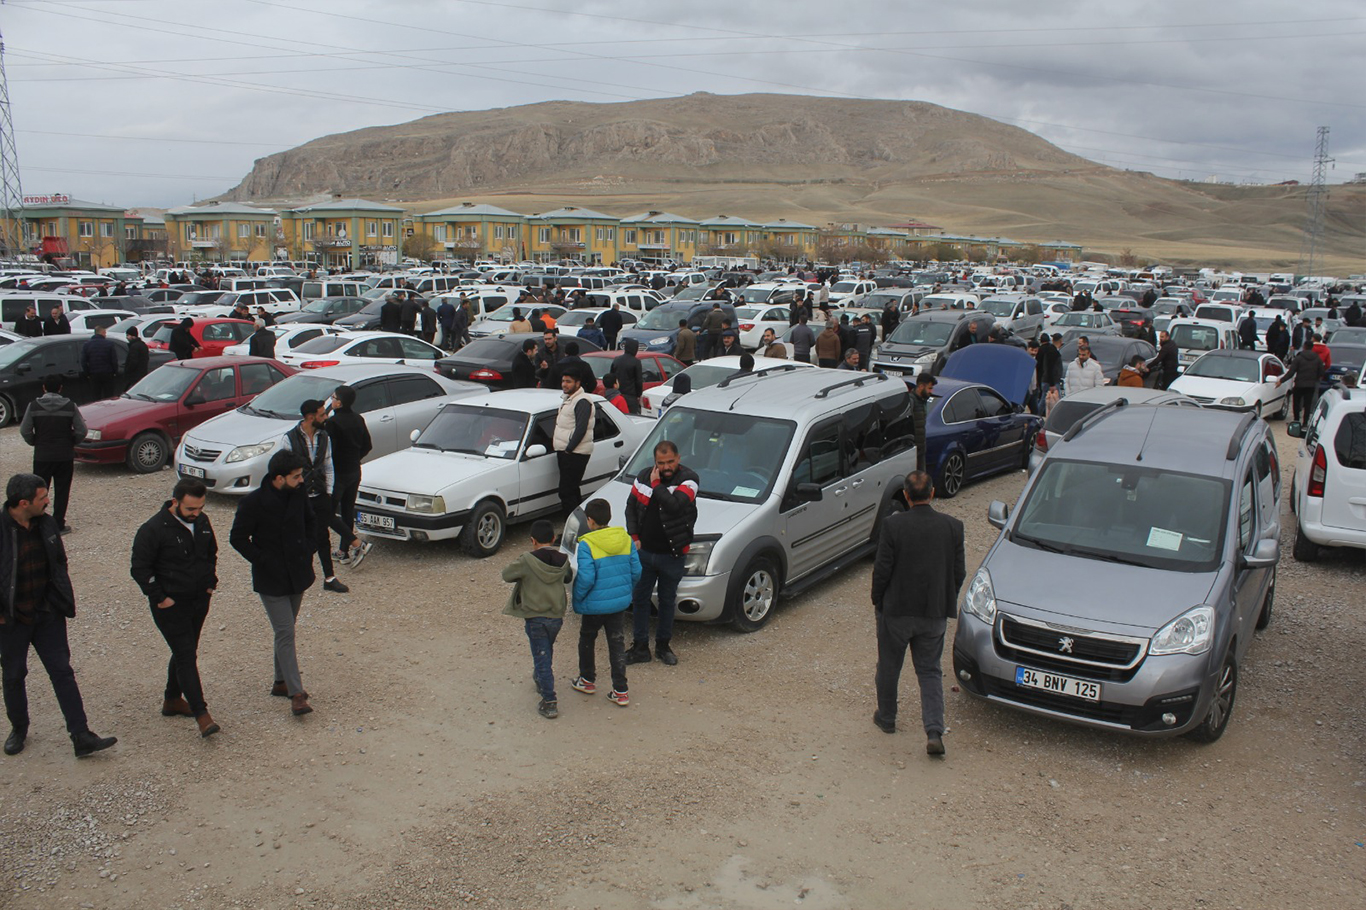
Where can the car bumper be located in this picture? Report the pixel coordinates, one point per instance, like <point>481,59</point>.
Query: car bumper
<point>904,370</point>
<point>237,478</point>
<point>1310,515</point>
<point>112,451</point>
<point>394,525</point>
<point>1163,696</point>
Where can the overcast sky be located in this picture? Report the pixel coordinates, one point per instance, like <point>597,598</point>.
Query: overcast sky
<point>157,102</point>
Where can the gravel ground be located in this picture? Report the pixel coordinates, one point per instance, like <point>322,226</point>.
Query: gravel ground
<point>748,776</point>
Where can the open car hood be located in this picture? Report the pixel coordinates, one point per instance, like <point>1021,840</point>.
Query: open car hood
<point>1009,370</point>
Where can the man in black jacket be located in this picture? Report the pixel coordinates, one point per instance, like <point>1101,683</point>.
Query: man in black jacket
<point>56,323</point>
<point>630,374</point>
<point>919,568</point>
<point>136,363</point>
<point>1247,333</point>
<point>1048,368</point>
<point>523,366</point>
<point>53,425</point>
<point>273,530</point>
<point>408,314</point>
<point>310,439</point>
<point>36,600</point>
<point>391,313</point>
<point>1166,362</point>
<point>546,358</point>
<point>1306,368</point>
<point>30,326</point>
<point>611,322</point>
<point>660,515</point>
<point>350,439</point>
<point>100,362</point>
<point>175,563</point>
<point>262,341</point>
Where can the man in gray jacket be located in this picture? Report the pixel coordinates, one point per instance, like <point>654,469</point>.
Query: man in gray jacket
<point>53,425</point>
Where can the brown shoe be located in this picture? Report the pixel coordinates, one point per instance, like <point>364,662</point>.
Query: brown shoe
<point>279,689</point>
<point>176,707</point>
<point>299,704</point>
<point>207,727</point>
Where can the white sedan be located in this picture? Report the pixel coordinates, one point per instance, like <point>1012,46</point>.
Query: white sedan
<point>1238,380</point>
<point>706,374</point>
<point>754,319</point>
<point>571,321</point>
<point>287,338</point>
<point>500,320</point>
<point>360,347</point>
<point>482,462</point>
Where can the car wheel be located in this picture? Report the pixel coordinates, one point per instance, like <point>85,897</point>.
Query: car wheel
<point>951,476</point>
<point>1221,706</point>
<point>483,533</point>
<point>1268,604</point>
<point>6,411</point>
<point>1284,412</point>
<point>147,453</point>
<point>753,593</point>
<point>1305,549</point>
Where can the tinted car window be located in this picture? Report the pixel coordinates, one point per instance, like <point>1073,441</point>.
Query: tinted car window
<point>403,389</point>
<point>961,407</point>
<point>1350,441</point>
<point>993,405</point>
<point>604,427</point>
<point>371,397</point>
<point>257,377</point>
<point>820,460</point>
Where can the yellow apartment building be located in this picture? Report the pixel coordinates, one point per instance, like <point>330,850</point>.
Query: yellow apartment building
<point>343,234</point>
<point>468,231</point>
<point>70,232</point>
<point>573,233</point>
<point>658,235</point>
<point>220,232</point>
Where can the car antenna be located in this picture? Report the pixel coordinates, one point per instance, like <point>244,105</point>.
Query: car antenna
<point>1152,418</point>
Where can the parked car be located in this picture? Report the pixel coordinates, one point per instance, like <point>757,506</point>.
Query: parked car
<point>1348,360</point>
<point>657,330</point>
<point>1195,337</point>
<point>656,368</point>
<point>88,320</point>
<point>570,322</point>
<point>1328,488</point>
<point>500,320</point>
<point>489,360</point>
<point>213,334</point>
<point>1112,352</point>
<point>230,452</point>
<point>484,461</point>
<point>925,341</point>
<point>850,292</point>
<point>755,319</point>
<point>705,374</point>
<point>1240,380</point>
<point>1021,314</point>
<point>1070,410</point>
<point>324,310</point>
<point>1220,312</point>
<point>1164,525</point>
<point>288,336</point>
<point>24,364</point>
<point>360,347</point>
<point>142,427</point>
<point>798,469</point>
<point>1086,320</point>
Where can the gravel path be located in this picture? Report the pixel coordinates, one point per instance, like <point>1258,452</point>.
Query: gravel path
<point>748,776</point>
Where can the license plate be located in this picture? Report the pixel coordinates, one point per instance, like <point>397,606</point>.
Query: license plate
<point>892,372</point>
<point>382,522</point>
<point>191,471</point>
<point>1062,685</point>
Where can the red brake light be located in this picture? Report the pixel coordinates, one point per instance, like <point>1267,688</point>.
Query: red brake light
<point>746,326</point>
<point>1318,473</point>
<point>1041,441</point>
<point>318,364</point>
<point>645,402</point>
<point>486,375</point>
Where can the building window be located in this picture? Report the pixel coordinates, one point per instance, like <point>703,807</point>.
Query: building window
<point>629,237</point>
<point>308,230</point>
<point>243,231</point>
<point>129,232</point>
<point>371,228</point>
<point>543,235</point>
<point>497,232</point>
<point>512,232</point>
<point>439,233</point>
<point>106,229</point>
<point>86,229</point>
<point>573,235</point>
<point>260,230</point>
<point>388,228</point>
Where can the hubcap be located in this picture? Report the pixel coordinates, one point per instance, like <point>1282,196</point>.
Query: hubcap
<point>953,475</point>
<point>758,595</point>
<point>148,454</point>
<point>1223,698</point>
<point>489,530</point>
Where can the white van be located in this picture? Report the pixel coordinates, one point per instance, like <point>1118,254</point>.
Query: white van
<point>320,288</point>
<point>1194,337</point>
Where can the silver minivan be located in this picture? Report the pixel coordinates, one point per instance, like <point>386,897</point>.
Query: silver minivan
<point>798,469</point>
<point>1125,588</point>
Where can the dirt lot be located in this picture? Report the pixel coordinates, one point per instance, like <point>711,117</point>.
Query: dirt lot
<point>748,776</point>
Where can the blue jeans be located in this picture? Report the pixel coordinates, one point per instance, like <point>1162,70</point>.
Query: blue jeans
<point>541,631</point>
<point>667,570</point>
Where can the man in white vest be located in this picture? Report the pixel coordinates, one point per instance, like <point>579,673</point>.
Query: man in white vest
<point>573,439</point>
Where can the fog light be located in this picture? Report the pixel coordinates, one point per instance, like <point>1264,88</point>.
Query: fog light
<point>689,607</point>
<point>1169,719</point>
<point>419,535</point>
<point>242,482</point>
<point>964,675</point>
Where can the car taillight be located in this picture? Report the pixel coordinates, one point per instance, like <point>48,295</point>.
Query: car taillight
<point>1318,473</point>
<point>746,326</point>
<point>1041,441</point>
<point>645,402</point>
<point>486,375</point>
<point>317,364</point>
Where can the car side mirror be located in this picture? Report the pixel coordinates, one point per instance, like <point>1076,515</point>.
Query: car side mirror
<point>535,451</point>
<point>194,400</point>
<point>998,513</point>
<point>23,368</point>
<point>1295,428</point>
<point>414,435</point>
<point>1265,554</point>
<point>809,492</point>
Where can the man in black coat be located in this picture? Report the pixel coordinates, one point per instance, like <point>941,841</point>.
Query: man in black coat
<point>920,567</point>
<point>408,314</point>
<point>1247,333</point>
<point>1166,361</point>
<point>136,363</point>
<point>350,438</point>
<point>611,322</point>
<point>1306,368</point>
<point>53,425</point>
<point>524,366</point>
<point>546,358</point>
<point>182,343</point>
<point>30,326</point>
<point>36,600</point>
<point>175,563</point>
<point>391,314</point>
<point>56,323</point>
<point>262,341</point>
<point>273,530</point>
<point>630,374</point>
<point>100,362</point>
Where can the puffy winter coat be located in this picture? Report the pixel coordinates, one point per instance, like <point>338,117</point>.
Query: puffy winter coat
<point>609,568</point>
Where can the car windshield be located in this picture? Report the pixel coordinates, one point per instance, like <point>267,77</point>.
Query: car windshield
<point>11,353</point>
<point>1238,369</point>
<point>1125,513</point>
<point>736,456</point>
<point>1195,337</point>
<point>941,302</point>
<point>661,319</point>
<point>318,306</point>
<point>759,295</point>
<point>197,298</point>
<point>1001,308</point>
<point>324,344</point>
<point>1349,335</point>
<point>922,332</point>
<point>282,400</point>
<point>166,384</point>
<point>844,287</point>
<point>881,300</point>
<point>692,292</point>
<point>576,317</point>
<point>475,431</point>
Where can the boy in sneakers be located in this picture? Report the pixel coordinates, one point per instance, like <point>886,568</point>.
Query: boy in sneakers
<point>609,568</point>
<point>538,597</point>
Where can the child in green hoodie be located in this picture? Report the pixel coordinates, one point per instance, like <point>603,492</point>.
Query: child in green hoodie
<point>539,597</point>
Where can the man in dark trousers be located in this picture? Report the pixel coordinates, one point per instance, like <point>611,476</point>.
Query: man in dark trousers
<point>865,336</point>
<point>1166,361</point>
<point>53,426</point>
<point>136,363</point>
<point>630,374</point>
<point>36,600</point>
<point>445,317</point>
<point>391,313</point>
<point>273,530</point>
<point>1306,368</point>
<point>1247,333</point>
<point>661,513</point>
<point>29,325</point>
<point>803,340</point>
<point>546,358</point>
<point>310,440</point>
<point>524,366</point>
<point>100,362</point>
<point>56,323</point>
<point>920,404</point>
<point>611,323</point>
<point>573,439</point>
<point>262,341</point>
<point>182,343</point>
<point>350,438</point>
<point>175,563</point>
<point>426,321</point>
<point>1048,369</point>
<point>919,568</point>
<point>408,314</point>
<point>712,327</point>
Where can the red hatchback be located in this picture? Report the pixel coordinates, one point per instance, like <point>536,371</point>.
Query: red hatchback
<point>657,368</point>
<point>142,427</point>
<point>213,335</point>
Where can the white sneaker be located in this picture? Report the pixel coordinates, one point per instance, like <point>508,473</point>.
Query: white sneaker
<point>359,552</point>
<point>341,557</point>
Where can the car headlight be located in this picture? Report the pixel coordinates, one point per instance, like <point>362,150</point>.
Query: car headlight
<point>662,339</point>
<point>925,360</point>
<point>93,435</point>
<point>569,534</point>
<point>246,453</point>
<point>699,554</point>
<point>431,505</point>
<point>1233,401</point>
<point>1189,633</point>
<point>980,600</point>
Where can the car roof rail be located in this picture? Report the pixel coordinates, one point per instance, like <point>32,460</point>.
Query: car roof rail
<point>857,380</point>
<point>755,374</point>
<point>1095,415</point>
<point>1235,443</point>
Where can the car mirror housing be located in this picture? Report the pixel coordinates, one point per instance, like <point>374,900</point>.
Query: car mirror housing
<point>1264,555</point>
<point>998,513</point>
<point>535,451</point>
<point>194,401</point>
<point>1295,428</point>
<point>809,492</point>
<point>413,436</point>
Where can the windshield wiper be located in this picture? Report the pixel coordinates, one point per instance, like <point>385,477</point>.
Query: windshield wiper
<point>427,445</point>
<point>1110,557</point>
<point>1042,545</point>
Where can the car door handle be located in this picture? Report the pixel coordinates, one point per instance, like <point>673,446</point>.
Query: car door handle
<point>619,443</point>
<point>386,418</point>
<point>856,484</point>
<point>840,491</point>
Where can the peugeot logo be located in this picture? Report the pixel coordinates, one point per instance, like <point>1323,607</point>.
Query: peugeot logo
<point>1065,645</point>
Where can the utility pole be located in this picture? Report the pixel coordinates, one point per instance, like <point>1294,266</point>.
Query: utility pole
<point>1318,200</point>
<point>11,191</point>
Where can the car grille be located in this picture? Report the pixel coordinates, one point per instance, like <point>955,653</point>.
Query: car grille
<point>378,499</point>
<point>1201,398</point>
<point>198,454</point>
<point>1091,655</point>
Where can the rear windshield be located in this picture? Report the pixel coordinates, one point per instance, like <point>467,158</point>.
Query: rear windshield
<point>1350,441</point>
<point>1067,412</point>
<point>1195,337</point>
